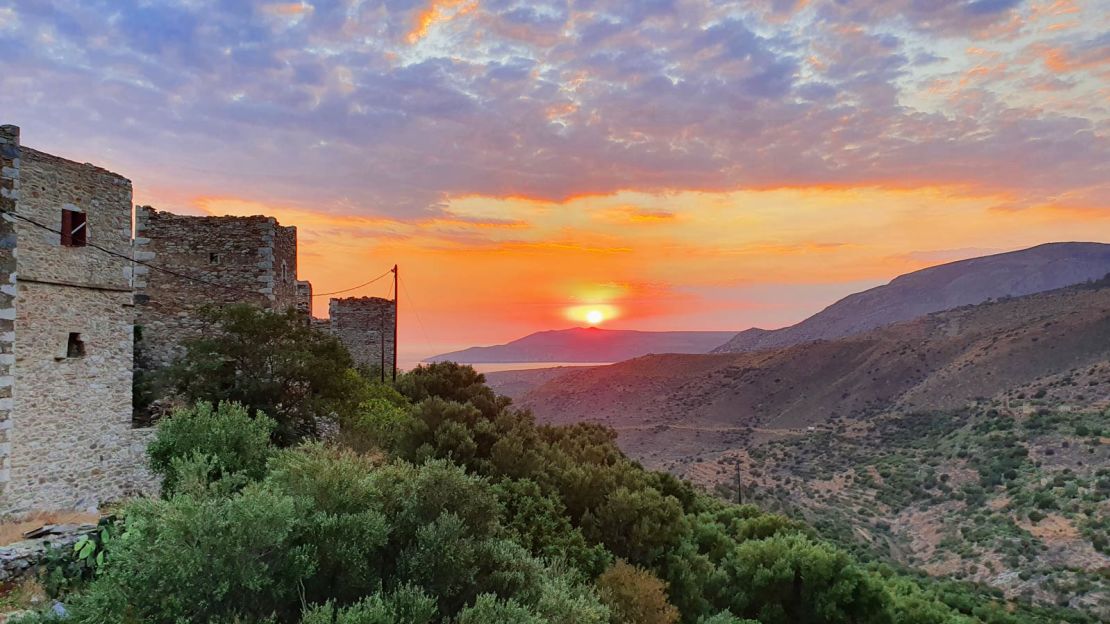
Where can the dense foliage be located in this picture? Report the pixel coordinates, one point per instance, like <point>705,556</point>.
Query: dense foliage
<point>443,503</point>
<point>273,363</point>
<point>1013,499</point>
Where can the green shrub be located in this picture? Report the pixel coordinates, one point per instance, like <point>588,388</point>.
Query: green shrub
<point>195,559</point>
<point>377,424</point>
<point>405,605</point>
<point>487,609</point>
<point>231,442</point>
<point>340,519</point>
<point>271,363</point>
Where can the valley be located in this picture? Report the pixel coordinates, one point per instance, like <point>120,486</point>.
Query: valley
<point>971,444</point>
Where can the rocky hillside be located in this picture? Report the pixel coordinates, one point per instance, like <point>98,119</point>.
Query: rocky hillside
<point>1011,493</point>
<point>967,282</point>
<point>938,361</point>
<point>588,344</point>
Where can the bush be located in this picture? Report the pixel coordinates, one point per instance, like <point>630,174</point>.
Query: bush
<point>378,424</point>
<point>488,609</point>
<point>635,595</point>
<point>791,579</point>
<point>406,605</point>
<point>231,442</point>
<point>271,363</point>
<point>196,559</point>
<point>340,519</point>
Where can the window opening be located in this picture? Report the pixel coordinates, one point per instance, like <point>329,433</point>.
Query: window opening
<point>74,230</point>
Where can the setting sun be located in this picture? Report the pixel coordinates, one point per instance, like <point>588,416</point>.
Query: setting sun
<point>592,314</point>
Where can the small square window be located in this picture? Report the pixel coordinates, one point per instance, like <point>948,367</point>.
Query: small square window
<point>74,230</point>
<point>75,347</point>
<point>213,258</point>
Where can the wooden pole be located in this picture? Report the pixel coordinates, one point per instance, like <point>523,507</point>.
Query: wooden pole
<point>396,316</point>
<point>381,339</point>
<point>739,491</point>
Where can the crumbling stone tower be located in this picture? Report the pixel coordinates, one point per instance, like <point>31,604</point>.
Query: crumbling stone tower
<point>365,325</point>
<point>225,260</point>
<point>66,338</point>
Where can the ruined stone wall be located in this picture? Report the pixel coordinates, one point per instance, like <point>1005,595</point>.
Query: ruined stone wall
<point>304,298</point>
<point>9,193</point>
<point>70,437</point>
<point>237,259</point>
<point>365,326</point>
<point>285,267</point>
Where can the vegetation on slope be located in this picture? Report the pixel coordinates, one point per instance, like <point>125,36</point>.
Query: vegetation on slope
<point>438,501</point>
<point>1014,500</point>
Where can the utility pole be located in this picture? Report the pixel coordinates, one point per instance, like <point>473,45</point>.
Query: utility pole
<point>739,483</point>
<point>396,318</point>
<point>381,339</point>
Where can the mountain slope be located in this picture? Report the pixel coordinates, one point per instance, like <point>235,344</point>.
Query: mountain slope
<point>588,345</point>
<point>967,282</point>
<point>938,361</point>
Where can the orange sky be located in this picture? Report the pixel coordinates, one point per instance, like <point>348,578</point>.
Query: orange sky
<point>496,269</point>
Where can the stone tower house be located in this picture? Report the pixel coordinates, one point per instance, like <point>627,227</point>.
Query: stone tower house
<point>77,291</point>
<point>227,260</point>
<point>365,326</point>
<point>66,341</point>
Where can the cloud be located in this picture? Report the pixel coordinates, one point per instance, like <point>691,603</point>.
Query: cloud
<point>399,107</point>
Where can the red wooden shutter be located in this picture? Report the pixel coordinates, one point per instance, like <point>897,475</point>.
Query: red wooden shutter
<point>67,228</point>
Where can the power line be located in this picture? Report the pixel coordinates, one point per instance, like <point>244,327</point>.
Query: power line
<point>132,259</point>
<point>336,292</point>
<point>171,271</point>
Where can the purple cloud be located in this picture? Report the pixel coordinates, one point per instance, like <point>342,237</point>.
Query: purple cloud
<point>329,105</point>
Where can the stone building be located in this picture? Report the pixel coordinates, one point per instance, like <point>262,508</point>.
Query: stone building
<point>66,334</point>
<point>365,325</point>
<point>215,261</point>
<point>85,304</point>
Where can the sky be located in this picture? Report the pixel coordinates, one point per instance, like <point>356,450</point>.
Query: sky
<point>675,164</point>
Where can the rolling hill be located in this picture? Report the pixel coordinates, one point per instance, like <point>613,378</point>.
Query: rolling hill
<point>967,282</point>
<point>938,361</point>
<point>590,344</point>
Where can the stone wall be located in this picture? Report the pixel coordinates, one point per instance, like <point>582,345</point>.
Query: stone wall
<point>304,298</point>
<point>285,294</point>
<point>365,326</point>
<point>71,445</point>
<point>9,193</point>
<point>237,260</point>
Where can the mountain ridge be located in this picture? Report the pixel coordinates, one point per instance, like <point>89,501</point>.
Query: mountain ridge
<point>588,344</point>
<point>941,360</point>
<point>942,287</point>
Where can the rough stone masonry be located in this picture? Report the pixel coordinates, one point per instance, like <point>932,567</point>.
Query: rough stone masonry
<point>365,326</point>
<point>75,289</point>
<point>67,324</point>
<point>227,260</point>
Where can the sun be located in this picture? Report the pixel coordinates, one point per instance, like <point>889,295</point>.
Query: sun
<point>592,314</point>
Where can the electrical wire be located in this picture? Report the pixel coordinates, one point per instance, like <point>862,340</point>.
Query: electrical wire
<point>131,259</point>
<point>176,273</point>
<point>336,292</point>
